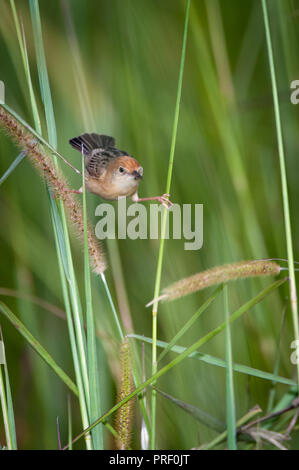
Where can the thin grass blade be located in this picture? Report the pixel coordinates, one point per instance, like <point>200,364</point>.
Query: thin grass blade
<point>10,410</point>
<point>24,54</point>
<point>272,392</point>
<point>12,167</point>
<point>34,343</point>
<point>198,414</point>
<point>190,322</point>
<point>207,358</point>
<point>283,175</point>
<point>93,369</point>
<point>4,407</point>
<point>237,314</point>
<point>75,299</point>
<point>6,400</point>
<point>69,422</point>
<point>230,393</point>
<point>42,70</point>
<point>164,221</point>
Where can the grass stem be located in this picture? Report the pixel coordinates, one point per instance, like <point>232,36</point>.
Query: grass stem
<point>283,175</point>
<point>163,230</point>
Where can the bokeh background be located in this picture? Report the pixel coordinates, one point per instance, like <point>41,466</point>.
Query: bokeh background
<point>113,68</point>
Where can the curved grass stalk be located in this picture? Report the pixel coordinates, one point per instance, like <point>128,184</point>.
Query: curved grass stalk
<point>11,168</point>
<point>229,385</point>
<point>6,401</point>
<point>92,358</point>
<point>283,175</point>
<point>163,230</point>
<point>216,361</point>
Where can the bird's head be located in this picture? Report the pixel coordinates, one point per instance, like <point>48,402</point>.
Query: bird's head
<point>126,170</point>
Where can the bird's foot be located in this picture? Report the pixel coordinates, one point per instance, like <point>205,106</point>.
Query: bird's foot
<point>164,200</point>
<point>77,191</point>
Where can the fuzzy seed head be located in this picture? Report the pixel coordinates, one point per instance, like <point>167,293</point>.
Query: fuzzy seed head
<point>220,274</point>
<point>125,387</point>
<point>43,162</point>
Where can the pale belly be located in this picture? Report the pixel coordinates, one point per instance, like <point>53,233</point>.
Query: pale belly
<point>111,191</point>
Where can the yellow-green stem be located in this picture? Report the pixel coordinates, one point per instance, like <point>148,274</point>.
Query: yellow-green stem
<point>284,184</point>
<point>163,231</point>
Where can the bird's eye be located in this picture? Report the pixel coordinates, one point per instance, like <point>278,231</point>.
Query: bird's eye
<point>121,169</point>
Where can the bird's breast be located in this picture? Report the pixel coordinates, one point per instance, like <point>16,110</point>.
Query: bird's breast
<point>108,189</point>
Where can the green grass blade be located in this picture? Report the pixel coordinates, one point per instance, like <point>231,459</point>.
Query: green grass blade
<point>115,316</point>
<point>79,72</point>
<point>34,343</point>
<point>237,314</point>
<point>215,361</point>
<point>72,336</point>
<point>61,228</point>
<point>284,184</point>
<point>4,407</point>
<point>190,322</point>
<point>198,414</point>
<point>60,242</point>
<point>51,127</point>
<point>69,422</point>
<point>93,370</point>
<point>10,410</point>
<point>76,304</point>
<point>23,49</point>
<point>53,207</point>
<point>230,393</point>
<point>286,400</point>
<point>12,167</point>
<point>42,70</point>
<point>6,401</point>
<point>272,392</point>
<point>84,412</point>
<point>164,221</point>
<point>38,136</point>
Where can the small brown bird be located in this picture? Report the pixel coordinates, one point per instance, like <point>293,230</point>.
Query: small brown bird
<point>109,172</point>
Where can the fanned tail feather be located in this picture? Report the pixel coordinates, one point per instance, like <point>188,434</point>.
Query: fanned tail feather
<point>88,142</point>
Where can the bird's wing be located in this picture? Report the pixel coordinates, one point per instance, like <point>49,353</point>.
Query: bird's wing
<point>98,160</point>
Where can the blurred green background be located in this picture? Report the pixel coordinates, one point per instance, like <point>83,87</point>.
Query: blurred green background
<point>113,68</point>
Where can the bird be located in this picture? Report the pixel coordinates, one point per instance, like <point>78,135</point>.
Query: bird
<point>109,172</point>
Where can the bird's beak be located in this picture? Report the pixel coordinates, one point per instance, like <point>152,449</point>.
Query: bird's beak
<point>137,175</point>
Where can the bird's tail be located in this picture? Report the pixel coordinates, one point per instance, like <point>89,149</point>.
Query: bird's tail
<point>89,142</point>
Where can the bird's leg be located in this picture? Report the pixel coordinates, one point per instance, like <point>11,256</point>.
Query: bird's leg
<point>77,191</point>
<point>162,199</point>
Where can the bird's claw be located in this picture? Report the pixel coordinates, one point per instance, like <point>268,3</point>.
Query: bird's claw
<point>165,201</point>
<point>76,191</point>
